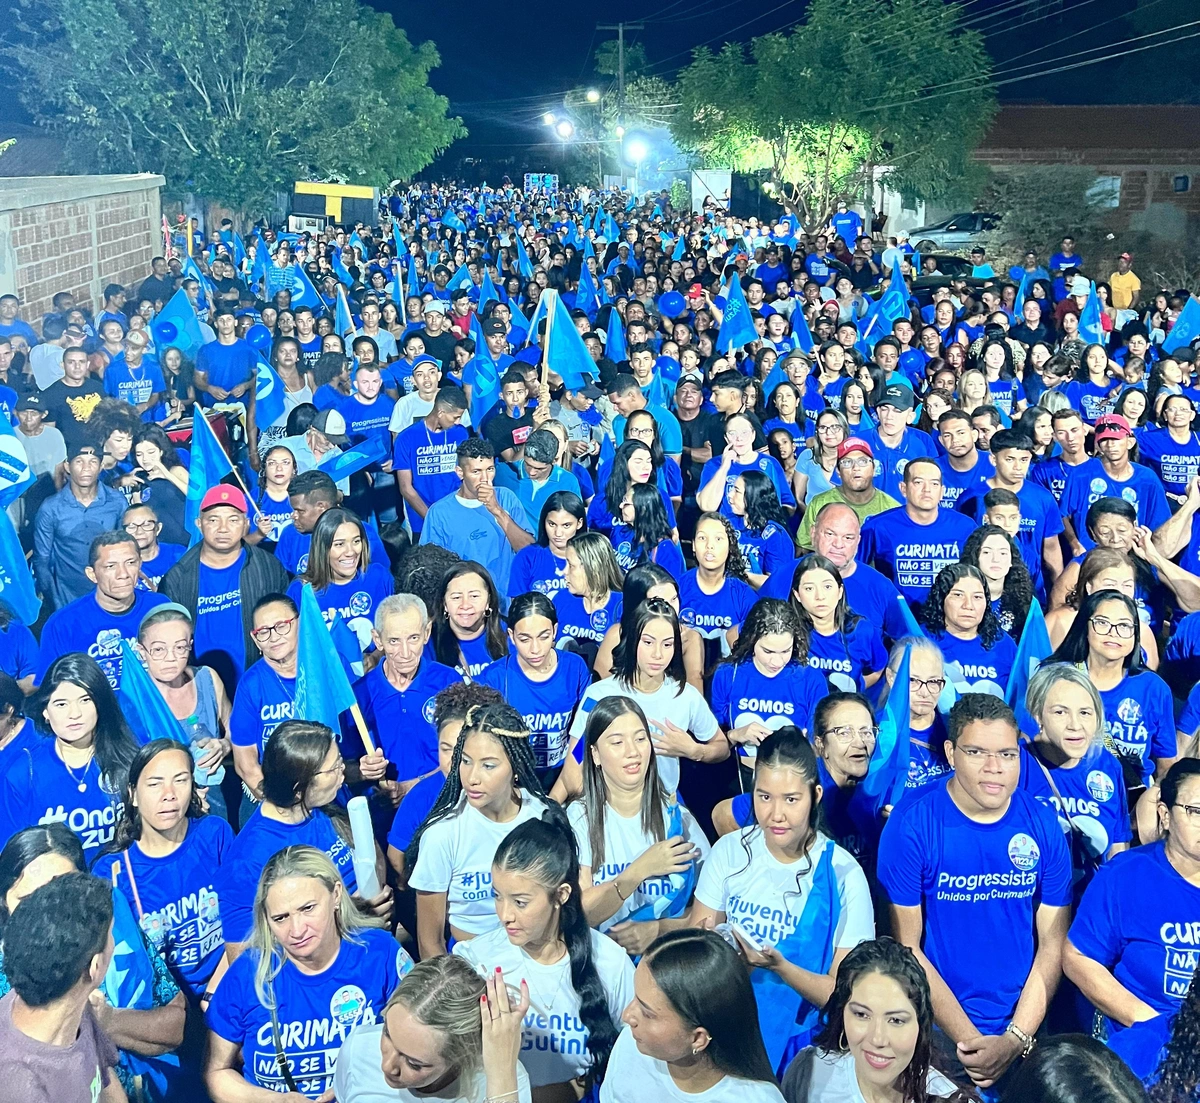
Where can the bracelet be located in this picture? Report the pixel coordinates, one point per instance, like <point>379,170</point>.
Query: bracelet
<point>1027,1040</point>
<point>617,885</point>
<point>499,1098</point>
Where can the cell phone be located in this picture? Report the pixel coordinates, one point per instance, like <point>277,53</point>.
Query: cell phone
<point>733,932</point>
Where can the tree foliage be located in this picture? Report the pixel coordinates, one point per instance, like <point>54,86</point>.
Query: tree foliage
<point>233,101</point>
<point>854,87</point>
<point>608,58</point>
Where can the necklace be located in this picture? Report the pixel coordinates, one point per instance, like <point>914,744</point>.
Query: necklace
<point>81,781</point>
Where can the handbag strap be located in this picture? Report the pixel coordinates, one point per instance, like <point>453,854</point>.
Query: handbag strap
<point>277,1038</point>
<point>1062,804</point>
<point>137,899</point>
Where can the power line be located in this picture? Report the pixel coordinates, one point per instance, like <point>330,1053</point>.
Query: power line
<point>722,34</point>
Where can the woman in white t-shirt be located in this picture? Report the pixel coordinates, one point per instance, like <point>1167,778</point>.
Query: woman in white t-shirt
<point>648,667</point>
<point>877,1035</point>
<point>639,850</point>
<point>691,1030</point>
<point>579,981</point>
<point>447,1035</point>
<point>492,787</point>
<point>795,903</point>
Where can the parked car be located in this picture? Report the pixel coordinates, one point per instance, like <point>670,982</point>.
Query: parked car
<point>955,232</point>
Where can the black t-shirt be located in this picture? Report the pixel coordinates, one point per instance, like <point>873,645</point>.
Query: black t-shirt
<point>504,432</point>
<point>154,288</point>
<point>441,347</point>
<point>71,408</point>
<point>704,428</point>
<point>229,287</point>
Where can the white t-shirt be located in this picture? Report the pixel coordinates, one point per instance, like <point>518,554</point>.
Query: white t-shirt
<point>554,1042</point>
<point>633,1077</point>
<point>687,710</point>
<point>831,1079</point>
<point>767,897</point>
<point>359,1077</point>
<point>624,843</point>
<point>410,407</point>
<point>455,857</point>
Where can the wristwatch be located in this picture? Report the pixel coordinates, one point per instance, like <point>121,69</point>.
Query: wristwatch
<point>1027,1040</point>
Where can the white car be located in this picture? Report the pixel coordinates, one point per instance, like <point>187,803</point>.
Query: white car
<point>954,233</point>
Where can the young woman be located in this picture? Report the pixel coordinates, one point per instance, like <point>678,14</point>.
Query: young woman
<point>1009,587</point>
<point>1067,767</point>
<point>1005,391</point>
<point>343,578</point>
<point>544,684</point>
<point>714,596</point>
<point>312,974</point>
<point>691,1029</point>
<point>759,880</point>
<point>1139,717</point>
<point>648,667</point>
<point>165,480</point>
<point>164,858</point>
<point>543,566</point>
<point>273,504</point>
<point>846,647</point>
<point>927,727</point>
<point>641,426</point>
<point>644,534</point>
<point>467,631</point>
<point>446,1034</point>
<point>17,733</point>
<point>492,787</point>
<point>302,774</point>
<point>786,413</point>
<point>855,406</point>
<point>591,602</point>
<point>1091,391</point>
<point>877,1034</point>
<point>973,390</point>
<point>81,763</point>
<point>761,526</point>
<point>764,684</point>
<point>639,849</point>
<point>544,937</point>
<point>935,403</point>
<point>978,653</point>
<point>633,463</point>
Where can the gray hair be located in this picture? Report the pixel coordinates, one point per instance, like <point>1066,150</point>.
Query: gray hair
<point>397,605</point>
<point>1047,677</point>
<point>917,643</point>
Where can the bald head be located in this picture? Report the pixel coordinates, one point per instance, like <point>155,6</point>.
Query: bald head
<point>835,535</point>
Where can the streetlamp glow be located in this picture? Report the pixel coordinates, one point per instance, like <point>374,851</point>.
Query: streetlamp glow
<point>564,129</point>
<point>637,150</point>
<point>548,118</point>
<point>593,96</point>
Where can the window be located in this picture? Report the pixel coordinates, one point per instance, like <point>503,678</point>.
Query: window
<point>1182,183</point>
<point>1105,192</point>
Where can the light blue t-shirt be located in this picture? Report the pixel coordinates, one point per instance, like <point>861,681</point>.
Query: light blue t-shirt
<point>468,529</point>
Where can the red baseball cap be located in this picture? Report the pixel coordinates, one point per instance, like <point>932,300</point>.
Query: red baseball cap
<point>853,444</point>
<point>1112,427</point>
<point>224,495</point>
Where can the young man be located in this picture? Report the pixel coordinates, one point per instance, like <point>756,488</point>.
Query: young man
<point>45,359</point>
<point>1125,283</point>
<point>509,426</point>
<point>133,376</point>
<point>975,861</point>
<point>72,400</point>
<point>435,333</point>
<point>426,453</point>
<point>142,523</point>
<point>384,341</point>
<point>45,447</point>
<point>311,493</point>
<point>425,377</point>
<point>1070,433</point>
<point>627,396</point>
<point>56,953</point>
<point>893,441</point>
<point>307,337</point>
<point>538,475</point>
<point>964,470</point>
<point>225,368</point>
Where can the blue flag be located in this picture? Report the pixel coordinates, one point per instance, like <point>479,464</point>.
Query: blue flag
<point>339,269</point>
<point>911,627</point>
<point>1031,651</point>
<point>487,290</point>
<point>239,251</point>
<point>586,295</point>
<point>268,395</point>
<point>1022,291</point>
<point>539,312</point>
<point>208,467</point>
<point>1091,328</point>
<point>343,322</point>
<point>258,271</point>
<point>485,382</point>
<point>461,278</point>
<point>888,769</point>
<point>303,292</point>
<point>680,248</point>
<point>397,240</point>
<point>191,271</point>
<point>323,691</point>
<point>801,334</point>
<point>358,243</point>
<point>453,222</point>
<point>566,353</point>
<point>1186,328</point>
<point>176,326</point>
<point>413,291</point>
<point>15,473</point>
<point>524,264</point>
<point>615,349</point>
<point>346,644</point>
<point>737,327</point>
<point>142,703</point>
<point>16,583</point>
<point>375,449</point>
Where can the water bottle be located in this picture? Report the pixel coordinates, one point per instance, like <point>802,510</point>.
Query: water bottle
<point>196,732</point>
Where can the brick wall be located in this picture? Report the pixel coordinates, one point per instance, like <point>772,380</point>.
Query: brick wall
<point>77,234</point>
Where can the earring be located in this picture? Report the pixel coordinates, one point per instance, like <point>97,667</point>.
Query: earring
<point>842,1043</point>
<point>695,1051</point>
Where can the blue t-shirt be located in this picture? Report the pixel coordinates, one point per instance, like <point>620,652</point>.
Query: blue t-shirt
<point>891,462</point>
<point>958,485</point>
<point>1175,464</point>
<point>1052,474</point>
<point>316,1012</point>
<point>134,387</point>
<point>354,601</point>
<point>431,458</point>
<point>712,615</point>
<point>473,533</point>
<point>972,668</point>
<point>278,513</point>
<point>416,805</point>
<point>980,885</point>
<point>293,546</point>
<point>547,706</point>
<point>219,617</point>
<point>927,763</point>
<point>473,656</point>
<point>667,554</point>
<point>1140,717</point>
<point>537,569</point>
<point>365,420</point>
<point>227,366</point>
<point>847,655</point>
<point>82,625</point>
<point>402,722</point>
<point>910,554</point>
<point>1141,919</point>
<point>768,465</point>
<point>766,550</point>
<point>1088,483</point>
<point>18,651</point>
<point>1189,719</point>
<point>154,569</point>
<point>253,846</point>
<point>1005,393</point>
<point>327,397</point>
<point>575,622</point>
<point>1090,399</point>
<point>176,896</point>
<point>742,694</point>
<point>264,699</point>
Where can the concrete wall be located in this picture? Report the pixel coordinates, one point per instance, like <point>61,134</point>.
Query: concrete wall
<point>77,234</point>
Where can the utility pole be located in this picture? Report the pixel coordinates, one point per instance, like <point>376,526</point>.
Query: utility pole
<point>621,28</point>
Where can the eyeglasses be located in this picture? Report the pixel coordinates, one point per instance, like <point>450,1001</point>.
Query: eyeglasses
<point>929,685</point>
<point>1191,811</point>
<point>160,651</point>
<point>855,465</point>
<point>1122,629</point>
<point>830,427</point>
<point>846,734</point>
<point>337,768</point>
<point>140,526</point>
<point>279,628</point>
<point>978,754</point>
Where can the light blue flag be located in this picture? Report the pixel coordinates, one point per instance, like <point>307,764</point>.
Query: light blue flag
<point>17,590</point>
<point>323,691</point>
<point>587,297</point>
<point>1033,649</point>
<point>911,627</point>
<point>15,473</point>
<point>375,449</point>
<point>303,292</point>
<point>589,250</point>
<point>339,269</point>
<point>453,222</point>
<point>413,291</point>
<point>893,303</point>
<point>1091,327</point>
<point>887,772</point>
<point>461,278</point>
<point>358,242</point>
<point>398,240</point>
<point>801,334</point>
<point>150,715</point>
<point>524,264</point>
<point>239,251</point>
<point>1022,291</point>
<point>487,290</point>
<point>191,271</point>
<point>343,320</point>
<point>268,395</point>
<point>1186,328</point>
<point>737,327</point>
<point>680,248</point>
<point>483,373</point>
<point>176,326</point>
<point>870,329</point>
<point>258,271</point>
<point>615,348</point>
<point>567,354</point>
<point>539,312</point>
<point>209,465</point>
<point>611,231</point>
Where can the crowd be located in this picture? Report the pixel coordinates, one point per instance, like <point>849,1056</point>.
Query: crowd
<point>772,667</point>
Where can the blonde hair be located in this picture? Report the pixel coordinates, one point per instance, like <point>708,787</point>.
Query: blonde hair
<point>1045,678</point>
<point>443,994</point>
<point>294,861</point>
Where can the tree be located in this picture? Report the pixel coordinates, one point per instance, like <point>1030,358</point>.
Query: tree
<point>856,86</point>
<point>608,61</point>
<point>233,101</point>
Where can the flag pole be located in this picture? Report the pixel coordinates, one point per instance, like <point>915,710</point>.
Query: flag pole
<point>199,410</point>
<point>361,724</point>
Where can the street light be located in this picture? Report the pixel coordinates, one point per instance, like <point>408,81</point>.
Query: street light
<point>593,96</point>
<point>548,118</point>
<point>620,132</point>
<point>564,129</point>
<point>637,149</point>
